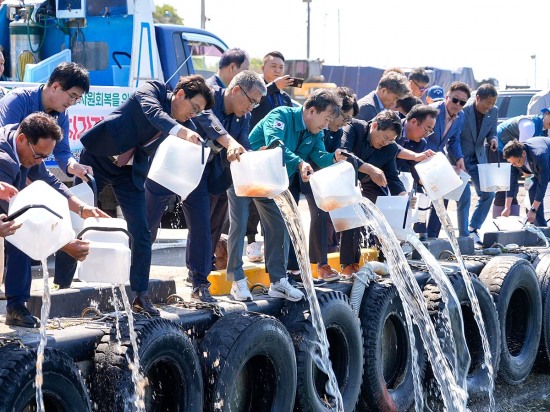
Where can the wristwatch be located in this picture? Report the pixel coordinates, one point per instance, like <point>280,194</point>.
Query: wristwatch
<point>533,210</point>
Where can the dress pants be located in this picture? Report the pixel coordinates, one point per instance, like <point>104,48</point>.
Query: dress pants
<point>132,202</point>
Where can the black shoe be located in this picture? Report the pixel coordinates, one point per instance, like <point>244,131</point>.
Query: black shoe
<point>19,315</point>
<point>202,293</point>
<point>296,280</point>
<point>143,304</point>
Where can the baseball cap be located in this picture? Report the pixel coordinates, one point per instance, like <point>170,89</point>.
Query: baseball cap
<point>436,93</point>
<point>545,110</point>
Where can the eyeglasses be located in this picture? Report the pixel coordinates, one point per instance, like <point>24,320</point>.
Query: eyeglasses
<point>195,108</point>
<point>422,89</point>
<point>457,101</point>
<point>387,140</point>
<point>73,98</point>
<point>37,156</point>
<point>253,104</point>
<point>347,119</point>
<point>427,132</point>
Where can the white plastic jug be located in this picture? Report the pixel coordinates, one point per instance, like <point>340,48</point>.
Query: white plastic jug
<point>46,220</point>
<point>455,194</point>
<point>346,218</point>
<point>494,177</point>
<point>110,254</point>
<point>437,176</point>
<point>394,209</point>
<point>85,193</point>
<point>260,174</point>
<point>335,186</point>
<point>508,223</point>
<point>178,165</point>
<point>407,180</point>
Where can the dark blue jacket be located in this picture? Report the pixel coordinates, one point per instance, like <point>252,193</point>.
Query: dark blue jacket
<point>538,157</point>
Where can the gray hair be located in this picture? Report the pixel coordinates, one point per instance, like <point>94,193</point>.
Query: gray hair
<point>248,80</point>
<point>324,99</point>
<point>396,83</point>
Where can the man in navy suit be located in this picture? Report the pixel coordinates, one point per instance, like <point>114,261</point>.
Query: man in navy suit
<point>23,148</point>
<point>446,139</point>
<point>531,156</point>
<point>479,130</point>
<point>133,132</point>
<point>232,107</point>
<point>391,87</point>
<point>232,62</point>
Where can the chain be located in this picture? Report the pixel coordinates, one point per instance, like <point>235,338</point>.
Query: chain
<point>179,301</point>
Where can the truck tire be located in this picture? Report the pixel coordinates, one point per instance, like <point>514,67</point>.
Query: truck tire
<point>248,364</point>
<point>478,378</point>
<point>345,351</point>
<point>514,286</point>
<point>63,388</point>
<point>388,383</point>
<point>168,360</point>
<point>543,274</point>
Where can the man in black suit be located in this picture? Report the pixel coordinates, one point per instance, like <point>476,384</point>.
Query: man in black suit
<point>23,149</point>
<point>531,156</point>
<point>373,143</point>
<point>133,132</point>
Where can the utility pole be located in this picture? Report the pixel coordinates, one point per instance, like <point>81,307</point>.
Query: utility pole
<point>534,57</point>
<point>203,14</point>
<point>308,24</point>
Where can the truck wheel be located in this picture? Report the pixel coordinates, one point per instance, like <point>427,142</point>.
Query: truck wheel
<point>345,351</point>
<point>543,274</point>
<point>63,388</point>
<point>515,289</point>
<point>168,360</point>
<point>388,382</point>
<point>478,378</point>
<point>248,364</point>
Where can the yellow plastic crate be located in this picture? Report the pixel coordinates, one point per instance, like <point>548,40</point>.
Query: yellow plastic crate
<point>219,285</point>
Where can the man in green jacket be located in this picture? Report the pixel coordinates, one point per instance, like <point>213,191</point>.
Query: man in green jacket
<point>301,131</point>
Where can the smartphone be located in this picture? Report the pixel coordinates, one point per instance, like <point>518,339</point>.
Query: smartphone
<point>296,82</point>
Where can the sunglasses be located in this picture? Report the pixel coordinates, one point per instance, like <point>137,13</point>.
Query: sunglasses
<point>457,101</point>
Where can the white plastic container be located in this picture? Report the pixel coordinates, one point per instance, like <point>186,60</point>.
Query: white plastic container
<point>335,187</point>
<point>260,174</point>
<point>178,165</point>
<point>455,194</point>
<point>43,231</point>
<point>394,209</point>
<point>437,176</point>
<point>85,193</point>
<point>110,255</point>
<point>346,218</point>
<point>494,177</point>
<point>407,180</point>
<point>508,223</point>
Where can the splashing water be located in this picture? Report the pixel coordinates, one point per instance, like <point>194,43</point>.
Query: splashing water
<point>453,396</point>
<point>116,305</point>
<point>456,348</point>
<point>137,378</point>
<point>488,364</point>
<point>289,210</point>
<point>44,313</point>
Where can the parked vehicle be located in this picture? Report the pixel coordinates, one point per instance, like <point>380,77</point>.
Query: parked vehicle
<point>120,46</point>
<point>513,102</point>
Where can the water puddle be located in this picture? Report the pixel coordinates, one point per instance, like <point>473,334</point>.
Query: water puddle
<point>44,314</point>
<point>488,365</point>
<point>453,395</point>
<point>289,210</point>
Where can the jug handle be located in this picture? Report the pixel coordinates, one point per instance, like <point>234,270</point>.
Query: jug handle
<point>28,207</point>
<point>407,208</point>
<point>93,185</point>
<point>108,229</point>
<point>279,143</point>
<point>355,165</point>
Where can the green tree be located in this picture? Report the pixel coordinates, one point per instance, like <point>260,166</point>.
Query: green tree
<point>166,14</point>
<point>256,64</point>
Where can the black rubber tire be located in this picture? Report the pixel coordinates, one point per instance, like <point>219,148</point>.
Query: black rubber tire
<point>345,351</point>
<point>515,289</point>
<point>168,360</point>
<point>248,364</point>
<point>388,383</point>
<point>478,378</point>
<point>63,387</point>
<point>543,274</point>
